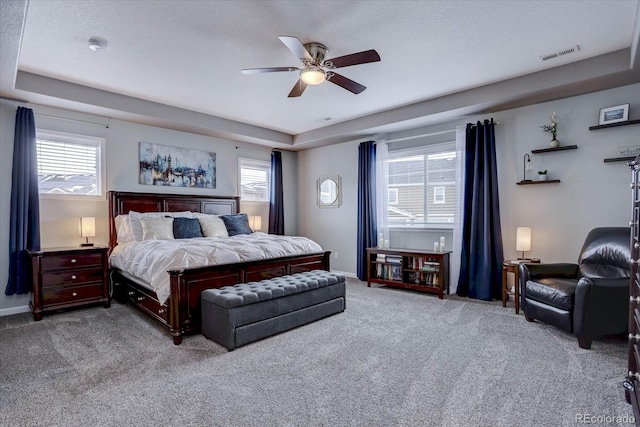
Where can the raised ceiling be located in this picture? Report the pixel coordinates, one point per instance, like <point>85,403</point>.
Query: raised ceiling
<point>177,63</point>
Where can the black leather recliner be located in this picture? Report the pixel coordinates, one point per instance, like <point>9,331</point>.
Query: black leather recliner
<point>589,299</point>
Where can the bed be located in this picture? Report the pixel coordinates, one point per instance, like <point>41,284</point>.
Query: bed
<point>180,312</point>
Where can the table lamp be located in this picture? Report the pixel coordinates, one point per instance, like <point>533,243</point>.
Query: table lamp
<point>523,240</point>
<point>87,229</point>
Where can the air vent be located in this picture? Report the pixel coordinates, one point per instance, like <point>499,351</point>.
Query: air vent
<point>558,54</point>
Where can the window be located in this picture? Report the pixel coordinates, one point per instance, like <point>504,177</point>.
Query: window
<point>422,185</point>
<point>255,178</point>
<point>69,165</point>
<point>393,196</point>
<point>438,195</point>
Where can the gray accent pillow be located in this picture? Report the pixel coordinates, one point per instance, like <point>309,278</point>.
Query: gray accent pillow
<point>186,228</point>
<point>237,224</point>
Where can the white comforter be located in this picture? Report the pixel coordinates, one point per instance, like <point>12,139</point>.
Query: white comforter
<point>149,260</point>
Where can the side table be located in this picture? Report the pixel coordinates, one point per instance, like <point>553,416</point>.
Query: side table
<point>511,266</point>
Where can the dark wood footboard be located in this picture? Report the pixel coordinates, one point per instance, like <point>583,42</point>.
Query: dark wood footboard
<point>181,313</point>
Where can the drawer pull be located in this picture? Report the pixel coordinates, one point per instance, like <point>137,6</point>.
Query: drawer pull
<point>635,337</point>
<point>634,299</point>
<point>634,375</point>
<point>635,261</point>
<point>73,261</point>
<point>75,294</point>
<point>74,277</point>
<point>161,311</point>
<point>636,245</point>
<point>132,293</point>
<point>142,298</point>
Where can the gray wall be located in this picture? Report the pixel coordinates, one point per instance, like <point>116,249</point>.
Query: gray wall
<point>592,193</point>
<point>59,218</point>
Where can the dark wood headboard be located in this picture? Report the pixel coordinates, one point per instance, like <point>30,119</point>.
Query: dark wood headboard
<point>120,203</point>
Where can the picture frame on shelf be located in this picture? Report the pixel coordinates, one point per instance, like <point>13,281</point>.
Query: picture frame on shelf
<point>616,114</point>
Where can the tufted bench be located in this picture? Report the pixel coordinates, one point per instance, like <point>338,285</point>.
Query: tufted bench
<point>237,315</point>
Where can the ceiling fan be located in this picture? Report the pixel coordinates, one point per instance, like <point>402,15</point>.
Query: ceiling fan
<point>316,69</point>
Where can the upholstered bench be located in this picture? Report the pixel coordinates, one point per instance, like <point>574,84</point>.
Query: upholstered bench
<point>237,315</point>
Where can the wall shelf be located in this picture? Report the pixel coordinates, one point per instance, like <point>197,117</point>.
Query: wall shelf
<point>613,125</point>
<point>619,159</point>
<point>549,150</point>
<point>549,181</point>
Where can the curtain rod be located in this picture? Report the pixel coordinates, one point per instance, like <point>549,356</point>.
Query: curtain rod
<point>442,132</point>
<point>407,138</point>
<point>75,120</point>
<point>473,124</point>
<point>256,149</point>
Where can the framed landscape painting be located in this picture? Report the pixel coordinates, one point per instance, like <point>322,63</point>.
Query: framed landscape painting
<point>176,167</point>
<point>617,114</point>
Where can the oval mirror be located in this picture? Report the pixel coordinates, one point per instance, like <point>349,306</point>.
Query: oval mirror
<point>328,191</point>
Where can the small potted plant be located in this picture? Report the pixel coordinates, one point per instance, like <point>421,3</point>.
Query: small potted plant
<point>542,175</point>
<point>552,128</point>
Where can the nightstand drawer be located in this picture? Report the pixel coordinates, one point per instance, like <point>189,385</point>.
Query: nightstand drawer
<point>72,277</point>
<point>71,294</point>
<point>55,262</point>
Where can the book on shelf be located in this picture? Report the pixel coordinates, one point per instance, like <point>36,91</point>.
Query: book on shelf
<point>396,272</point>
<point>420,263</point>
<point>389,272</point>
<point>381,258</point>
<point>394,259</point>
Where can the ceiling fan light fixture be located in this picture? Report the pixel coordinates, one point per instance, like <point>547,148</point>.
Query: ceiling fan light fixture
<point>312,75</point>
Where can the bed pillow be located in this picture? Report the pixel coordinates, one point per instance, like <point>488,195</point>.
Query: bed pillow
<point>157,228</point>
<point>123,229</point>
<point>186,228</point>
<point>136,226</point>
<point>212,225</point>
<point>237,224</point>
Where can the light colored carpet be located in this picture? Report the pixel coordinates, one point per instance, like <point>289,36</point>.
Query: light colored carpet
<point>393,358</point>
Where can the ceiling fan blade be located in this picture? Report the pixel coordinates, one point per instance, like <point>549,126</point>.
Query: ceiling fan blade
<point>355,58</point>
<point>298,89</point>
<point>267,70</point>
<point>295,46</point>
<point>346,83</point>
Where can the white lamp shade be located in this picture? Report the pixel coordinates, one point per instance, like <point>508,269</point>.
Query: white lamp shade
<point>523,239</point>
<point>87,226</point>
<point>255,222</point>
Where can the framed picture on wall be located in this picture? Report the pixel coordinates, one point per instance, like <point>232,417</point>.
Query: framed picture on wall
<point>176,167</point>
<point>619,113</point>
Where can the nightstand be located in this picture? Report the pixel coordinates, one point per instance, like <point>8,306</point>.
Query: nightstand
<point>68,277</point>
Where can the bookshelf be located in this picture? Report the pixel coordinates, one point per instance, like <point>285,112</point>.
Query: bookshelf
<point>413,269</point>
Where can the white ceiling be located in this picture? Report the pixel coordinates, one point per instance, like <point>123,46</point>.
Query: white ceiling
<point>188,55</point>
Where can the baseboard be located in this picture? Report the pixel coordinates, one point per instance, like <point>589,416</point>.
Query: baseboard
<point>352,275</point>
<point>14,310</point>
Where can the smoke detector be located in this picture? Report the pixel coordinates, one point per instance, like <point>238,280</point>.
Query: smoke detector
<point>97,44</point>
